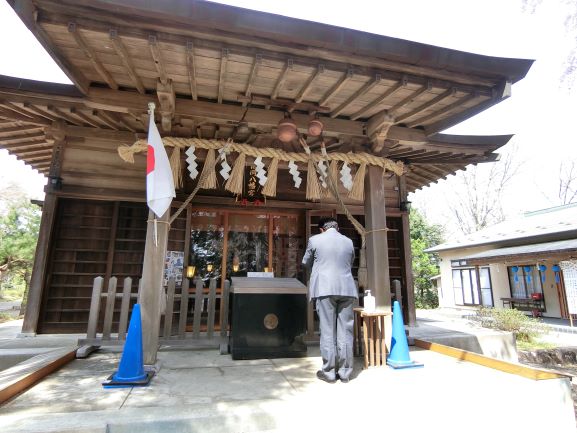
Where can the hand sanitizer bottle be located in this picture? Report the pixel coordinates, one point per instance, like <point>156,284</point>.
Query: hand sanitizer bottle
<point>369,302</point>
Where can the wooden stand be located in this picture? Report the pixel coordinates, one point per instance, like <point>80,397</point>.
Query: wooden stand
<point>373,335</point>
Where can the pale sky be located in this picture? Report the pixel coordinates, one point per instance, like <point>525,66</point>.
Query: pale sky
<point>540,113</point>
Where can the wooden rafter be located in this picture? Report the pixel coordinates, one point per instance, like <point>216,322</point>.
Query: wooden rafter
<point>122,52</point>
<point>16,130</point>
<point>443,110</point>
<point>446,94</point>
<point>458,159</point>
<point>22,138</point>
<point>8,114</point>
<point>222,73</point>
<point>409,99</point>
<point>433,171</point>
<point>15,108</point>
<point>191,69</point>
<point>105,118</point>
<point>367,87</point>
<point>253,74</point>
<point>62,114</point>
<point>47,150</point>
<point>157,58</point>
<point>281,79</point>
<point>406,153</point>
<point>84,118</point>
<point>89,52</point>
<point>306,87</point>
<point>38,113</point>
<point>400,85</point>
<point>426,179</point>
<point>338,86</point>
<point>35,144</point>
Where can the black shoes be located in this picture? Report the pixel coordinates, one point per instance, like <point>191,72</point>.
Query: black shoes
<point>322,376</point>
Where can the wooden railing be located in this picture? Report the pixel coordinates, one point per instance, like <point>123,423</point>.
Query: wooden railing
<point>178,306</point>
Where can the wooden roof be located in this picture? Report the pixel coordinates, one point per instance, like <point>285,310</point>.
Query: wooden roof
<point>204,63</point>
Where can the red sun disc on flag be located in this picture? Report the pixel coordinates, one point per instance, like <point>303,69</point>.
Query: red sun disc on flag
<point>149,159</point>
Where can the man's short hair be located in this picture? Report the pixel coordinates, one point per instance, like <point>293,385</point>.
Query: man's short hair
<point>328,223</point>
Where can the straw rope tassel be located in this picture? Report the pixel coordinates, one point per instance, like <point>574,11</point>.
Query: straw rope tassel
<point>234,182</point>
<point>358,190</point>
<point>175,166</point>
<point>269,188</point>
<point>208,171</point>
<point>333,173</point>
<point>313,186</point>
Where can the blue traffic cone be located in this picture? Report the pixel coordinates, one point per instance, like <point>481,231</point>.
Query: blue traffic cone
<point>131,369</point>
<point>399,355</point>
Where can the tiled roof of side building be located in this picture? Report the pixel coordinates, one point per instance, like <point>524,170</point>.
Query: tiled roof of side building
<point>553,223</point>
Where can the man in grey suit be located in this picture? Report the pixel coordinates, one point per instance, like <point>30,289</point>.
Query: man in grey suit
<point>331,285</point>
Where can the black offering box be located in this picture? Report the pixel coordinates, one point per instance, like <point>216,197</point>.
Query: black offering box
<point>268,318</point>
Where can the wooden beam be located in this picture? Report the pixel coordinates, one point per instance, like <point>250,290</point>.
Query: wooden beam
<point>412,97</point>
<point>166,97</point>
<point>122,52</point>
<point>89,52</point>
<point>338,86</point>
<point>459,159</point>
<point>191,69</point>
<point>303,92</point>
<point>281,79</point>
<point>378,128</point>
<point>16,108</point>
<point>157,58</point>
<point>400,85</point>
<point>285,104</point>
<point>446,94</point>
<point>460,102</point>
<point>253,73</point>
<point>222,73</point>
<point>406,153</point>
<point>364,89</point>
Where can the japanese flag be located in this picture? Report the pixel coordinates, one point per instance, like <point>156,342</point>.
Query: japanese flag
<point>159,182</point>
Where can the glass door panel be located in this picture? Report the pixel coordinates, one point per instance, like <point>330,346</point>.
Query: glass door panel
<point>206,244</point>
<point>248,244</point>
<point>288,246</point>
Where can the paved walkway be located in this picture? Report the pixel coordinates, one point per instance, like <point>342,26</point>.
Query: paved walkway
<point>202,391</point>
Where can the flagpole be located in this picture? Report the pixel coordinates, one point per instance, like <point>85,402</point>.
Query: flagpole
<point>151,107</point>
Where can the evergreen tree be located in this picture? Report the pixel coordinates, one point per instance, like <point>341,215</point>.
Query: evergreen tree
<point>425,266</point>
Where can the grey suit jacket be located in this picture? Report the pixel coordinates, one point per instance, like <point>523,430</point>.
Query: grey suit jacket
<point>330,255</point>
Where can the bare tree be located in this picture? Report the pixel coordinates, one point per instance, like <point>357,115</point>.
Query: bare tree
<point>567,192</point>
<point>477,199</point>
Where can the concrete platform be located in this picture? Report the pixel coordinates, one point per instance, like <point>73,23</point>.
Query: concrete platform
<point>202,391</point>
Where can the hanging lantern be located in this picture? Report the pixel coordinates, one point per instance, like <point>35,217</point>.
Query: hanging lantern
<point>287,129</point>
<point>542,269</point>
<point>315,128</point>
<point>235,263</point>
<point>557,270</point>
<point>515,269</point>
<point>190,271</point>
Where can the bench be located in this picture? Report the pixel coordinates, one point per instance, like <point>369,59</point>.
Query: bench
<point>525,304</point>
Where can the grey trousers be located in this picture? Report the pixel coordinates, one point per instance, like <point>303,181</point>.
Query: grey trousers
<point>336,326</point>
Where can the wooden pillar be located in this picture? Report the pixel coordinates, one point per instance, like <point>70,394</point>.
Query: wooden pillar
<point>407,256</point>
<point>38,277</point>
<point>152,275</point>
<point>377,248</point>
<point>376,242</point>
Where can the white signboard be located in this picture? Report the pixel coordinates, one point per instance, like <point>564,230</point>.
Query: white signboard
<point>569,269</point>
<point>260,274</point>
